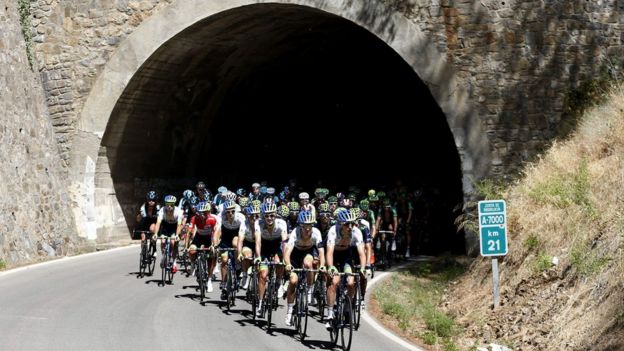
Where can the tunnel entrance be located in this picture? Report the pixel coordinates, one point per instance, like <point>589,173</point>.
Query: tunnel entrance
<point>273,92</point>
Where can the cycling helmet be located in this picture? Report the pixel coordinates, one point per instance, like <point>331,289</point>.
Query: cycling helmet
<point>229,205</point>
<point>270,191</point>
<point>356,212</point>
<point>170,199</point>
<point>346,203</point>
<point>263,190</point>
<point>256,203</point>
<point>293,206</point>
<point>253,209</point>
<point>200,185</point>
<point>306,217</point>
<point>364,205</point>
<point>324,207</point>
<point>243,201</point>
<point>317,192</point>
<point>240,192</point>
<point>283,211</point>
<point>188,194</point>
<point>352,197</point>
<point>338,210</point>
<point>373,198</point>
<point>230,196</point>
<point>332,199</point>
<point>203,206</point>
<point>268,207</point>
<point>346,216</point>
<point>151,196</point>
<point>283,196</point>
<point>304,196</point>
<point>221,189</point>
<point>386,202</point>
<point>371,193</point>
<point>381,194</point>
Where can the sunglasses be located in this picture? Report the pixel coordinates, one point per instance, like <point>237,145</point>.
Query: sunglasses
<point>307,226</point>
<point>269,215</point>
<point>230,211</point>
<point>324,215</point>
<point>350,224</point>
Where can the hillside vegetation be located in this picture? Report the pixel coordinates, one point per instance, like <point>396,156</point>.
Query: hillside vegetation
<point>562,283</point>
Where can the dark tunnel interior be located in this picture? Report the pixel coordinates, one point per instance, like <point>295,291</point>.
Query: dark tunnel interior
<point>274,92</point>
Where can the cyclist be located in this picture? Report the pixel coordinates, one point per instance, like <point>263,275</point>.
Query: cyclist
<point>333,203</point>
<point>169,224</point>
<point>293,209</point>
<point>304,203</point>
<point>303,247</point>
<point>246,241</point>
<point>147,216</point>
<point>255,192</point>
<point>202,193</point>
<point>230,225</point>
<point>387,220</point>
<point>342,239</point>
<point>203,223</point>
<point>270,232</point>
<point>364,227</point>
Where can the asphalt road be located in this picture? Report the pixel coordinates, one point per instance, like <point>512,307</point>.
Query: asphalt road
<point>97,302</point>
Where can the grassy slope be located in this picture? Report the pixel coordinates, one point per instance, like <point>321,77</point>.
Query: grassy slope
<point>570,205</point>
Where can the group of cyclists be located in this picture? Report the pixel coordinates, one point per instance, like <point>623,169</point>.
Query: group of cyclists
<point>326,234</point>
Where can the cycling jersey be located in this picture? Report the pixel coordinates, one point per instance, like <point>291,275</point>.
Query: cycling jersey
<point>364,227</point>
<point>271,238</point>
<point>342,243</point>
<point>297,241</point>
<point>230,229</point>
<point>343,255</point>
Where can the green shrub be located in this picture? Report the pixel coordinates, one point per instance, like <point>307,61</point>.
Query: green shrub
<point>531,242</point>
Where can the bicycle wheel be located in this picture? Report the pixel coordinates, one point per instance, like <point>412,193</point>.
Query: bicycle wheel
<point>296,316</point>
<point>164,263</point>
<point>346,330</point>
<point>253,289</point>
<point>303,315</point>
<point>357,304</point>
<point>334,325</point>
<point>268,301</point>
<point>142,260</point>
<point>229,287</point>
<point>170,269</point>
<point>201,277</point>
<point>321,296</point>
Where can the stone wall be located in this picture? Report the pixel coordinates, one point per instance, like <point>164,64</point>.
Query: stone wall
<point>74,39</point>
<point>516,58</point>
<point>35,207</point>
<point>520,58</point>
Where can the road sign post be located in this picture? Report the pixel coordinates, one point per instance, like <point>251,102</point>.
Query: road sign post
<point>493,236</point>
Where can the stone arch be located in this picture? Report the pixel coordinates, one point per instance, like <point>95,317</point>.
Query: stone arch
<point>96,206</point>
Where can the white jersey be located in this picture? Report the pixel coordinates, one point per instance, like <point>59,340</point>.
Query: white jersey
<point>143,210</point>
<point>296,240</point>
<point>238,222</point>
<point>173,217</point>
<point>340,243</point>
<point>279,228</point>
<point>249,232</point>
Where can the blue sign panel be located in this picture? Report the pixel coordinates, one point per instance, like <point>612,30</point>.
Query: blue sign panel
<point>493,227</point>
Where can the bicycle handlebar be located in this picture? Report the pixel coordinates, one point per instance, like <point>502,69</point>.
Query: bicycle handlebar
<point>304,270</point>
<point>385,231</point>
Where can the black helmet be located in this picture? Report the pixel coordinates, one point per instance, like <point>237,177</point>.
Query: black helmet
<point>151,196</point>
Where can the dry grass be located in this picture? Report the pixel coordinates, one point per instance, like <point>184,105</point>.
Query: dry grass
<point>569,205</point>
